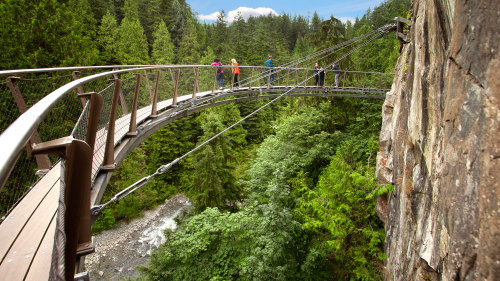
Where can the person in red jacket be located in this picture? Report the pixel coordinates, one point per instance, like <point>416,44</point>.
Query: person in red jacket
<point>236,73</point>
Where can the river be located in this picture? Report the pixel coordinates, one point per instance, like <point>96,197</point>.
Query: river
<point>120,250</point>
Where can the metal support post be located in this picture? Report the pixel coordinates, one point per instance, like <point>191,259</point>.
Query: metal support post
<point>79,89</point>
<point>132,129</point>
<point>250,85</point>
<point>176,87</point>
<point>122,101</point>
<point>269,79</point>
<point>154,103</point>
<point>232,80</point>
<point>215,79</point>
<point>148,86</point>
<point>42,161</point>
<point>196,85</point>
<point>343,80</point>
<point>94,112</point>
<point>109,152</point>
<point>287,77</point>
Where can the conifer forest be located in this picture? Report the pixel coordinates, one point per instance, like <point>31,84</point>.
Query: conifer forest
<point>289,194</point>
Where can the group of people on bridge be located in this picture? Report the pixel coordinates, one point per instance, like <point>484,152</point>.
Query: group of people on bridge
<point>319,73</point>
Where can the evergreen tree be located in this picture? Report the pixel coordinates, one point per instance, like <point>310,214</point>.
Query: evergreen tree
<point>302,48</point>
<point>258,125</point>
<point>230,114</point>
<point>239,41</point>
<point>220,40</point>
<point>150,14</point>
<point>214,183</point>
<point>163,49</point>
<point>332,32</point>
<point>131,9</point>
<point>169,143</point>
<point>341,211</point>
<point>51,34</point>
<point>315,23</point>
<point>286,30</point>
<point>176,22</point>
<point>188,48</point>
<point>101,7</point>
<point>300,27</point>
<point>132,46</point>
<point>107,39</point>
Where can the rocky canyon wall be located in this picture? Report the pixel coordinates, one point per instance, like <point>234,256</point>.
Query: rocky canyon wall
<point>440,146</point>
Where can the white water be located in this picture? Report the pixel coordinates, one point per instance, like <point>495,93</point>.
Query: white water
<point>153,236</point>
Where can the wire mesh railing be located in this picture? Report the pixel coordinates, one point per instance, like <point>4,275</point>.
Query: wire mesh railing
<point>59,122</point>
<point>70,115</point>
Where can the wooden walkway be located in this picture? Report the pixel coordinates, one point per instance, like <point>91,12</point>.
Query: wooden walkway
<point>27,234</point>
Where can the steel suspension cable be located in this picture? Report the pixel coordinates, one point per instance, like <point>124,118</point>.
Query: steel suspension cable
<point>96,210</point>
<point>383,29</point>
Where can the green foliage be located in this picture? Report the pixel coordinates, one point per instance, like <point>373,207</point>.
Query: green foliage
<point>340,211</point>
<point>214,183</point>
<point>107,39</point>
<point>45,33</point>
<point>257,243</point>
<point>131,9</point>
<point>169,143</point>
<point>188,47</point>
<point>176,21</point>
<point>163,48</point>
<point>300,144</point>
<point>132,47</point>
<point>258,126</point>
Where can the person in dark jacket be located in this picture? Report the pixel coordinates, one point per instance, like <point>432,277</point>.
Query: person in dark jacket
<point>270,65</point>
<point>337,74</point>
<point>316,74</point>
<point>321,77</point>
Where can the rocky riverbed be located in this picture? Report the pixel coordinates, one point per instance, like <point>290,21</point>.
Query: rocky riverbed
<point>120,250</point>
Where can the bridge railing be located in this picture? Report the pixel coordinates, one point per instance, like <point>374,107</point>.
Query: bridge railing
<point>24,88</point>
<point>83,120</point>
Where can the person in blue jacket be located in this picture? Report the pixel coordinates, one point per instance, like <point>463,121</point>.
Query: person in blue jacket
<point>270,65</point>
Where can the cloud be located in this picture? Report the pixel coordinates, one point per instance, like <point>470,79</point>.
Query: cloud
<point>212,16</point>
<point>345,19</point>
<point>245,13</point>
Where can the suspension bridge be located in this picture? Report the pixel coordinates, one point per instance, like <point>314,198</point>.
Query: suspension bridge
<point>52,190</point>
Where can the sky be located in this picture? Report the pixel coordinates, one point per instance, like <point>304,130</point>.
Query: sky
<point>342,9</point>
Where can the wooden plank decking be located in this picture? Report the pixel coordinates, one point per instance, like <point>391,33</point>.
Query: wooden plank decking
<point>27,233</point>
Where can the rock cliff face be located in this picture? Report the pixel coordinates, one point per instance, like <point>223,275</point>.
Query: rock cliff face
<point>440,146</point>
